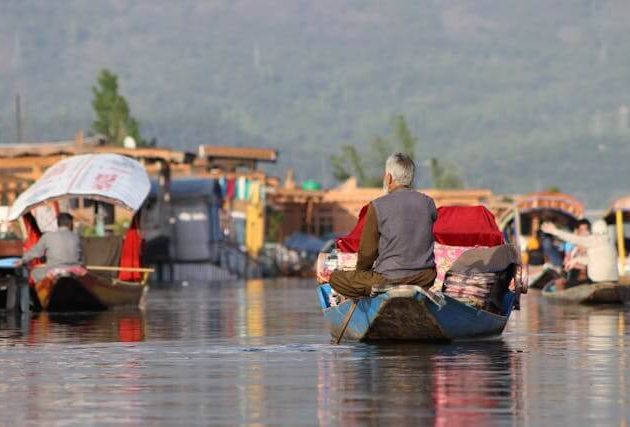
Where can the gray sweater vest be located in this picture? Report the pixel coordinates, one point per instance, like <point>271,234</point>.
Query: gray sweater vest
<point>405,224</point>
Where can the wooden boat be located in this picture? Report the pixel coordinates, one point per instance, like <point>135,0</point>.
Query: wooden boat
<point>117,279</point>
<point>409,313</point>
<point>524,218</point>
<point>76,290</point>
<point>542,277</point>
<point>596,293</point>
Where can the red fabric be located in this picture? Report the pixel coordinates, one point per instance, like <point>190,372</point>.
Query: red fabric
<point>350,243</point>
<point>30,239</point>
<point>466,226</point>
<point>230,188</point>
<point>130,253</point>
<point>455,226</point>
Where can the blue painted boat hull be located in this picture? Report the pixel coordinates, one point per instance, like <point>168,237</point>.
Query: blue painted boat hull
<point>406,313</point>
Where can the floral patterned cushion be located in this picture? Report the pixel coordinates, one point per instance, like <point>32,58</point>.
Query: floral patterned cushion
<point>445,256</point>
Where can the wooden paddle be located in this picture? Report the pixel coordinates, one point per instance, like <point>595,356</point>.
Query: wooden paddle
<point>145,271</point>
<point>110,268</point>
<point>347,321</point>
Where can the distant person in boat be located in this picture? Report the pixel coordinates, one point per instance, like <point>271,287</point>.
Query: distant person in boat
<point>575,256</point>
<point>61,248</point>
<point>396,245</point>
<point>551,249</point>
<point>601,257</point>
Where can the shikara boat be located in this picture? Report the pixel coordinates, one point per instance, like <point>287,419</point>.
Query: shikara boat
<point>523,219</point>
<point>602,293</point>
<point>409,313</point>
<point>112,276</point>
<point>79,289</point>
<point>597,293</point>
<point>406,312</point>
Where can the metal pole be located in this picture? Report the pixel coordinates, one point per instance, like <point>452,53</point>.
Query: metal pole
<point>621,244</point>
<point>18,118</point>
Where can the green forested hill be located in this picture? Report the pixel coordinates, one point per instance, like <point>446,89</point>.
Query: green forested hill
<point>520,95</point>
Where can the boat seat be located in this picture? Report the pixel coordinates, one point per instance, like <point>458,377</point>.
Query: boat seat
<point>382,288</point>
<point>405,290</point>
<point>102,251</point>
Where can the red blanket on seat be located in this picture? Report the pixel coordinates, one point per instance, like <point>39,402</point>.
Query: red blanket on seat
<point>466,226</point>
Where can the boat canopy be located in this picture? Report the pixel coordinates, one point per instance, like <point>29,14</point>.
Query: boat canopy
<point>547,200</point>
<point>560,208</point>
<point>110,178</point>
<point>622,205</point>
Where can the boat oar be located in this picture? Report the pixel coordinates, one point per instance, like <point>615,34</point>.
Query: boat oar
<point>110,268</point>
<point>346,321</point>
<point>145,271</point>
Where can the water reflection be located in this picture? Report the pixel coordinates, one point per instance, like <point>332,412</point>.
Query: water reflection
<point>459,384</point>
<point>258,352</point>
<point>576,366</point>
<point>107,326</point>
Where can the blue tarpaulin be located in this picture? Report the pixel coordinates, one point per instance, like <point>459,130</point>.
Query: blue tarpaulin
<point>304,242</point>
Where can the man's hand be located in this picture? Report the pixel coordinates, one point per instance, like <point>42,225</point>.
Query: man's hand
<point>548,227</point>
<point>324,276</point>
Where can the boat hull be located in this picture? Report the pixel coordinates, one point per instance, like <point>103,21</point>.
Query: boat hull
<point>407,313</point>
<point>88,292</point>
<point>597,293</point>
<point>542,277</point>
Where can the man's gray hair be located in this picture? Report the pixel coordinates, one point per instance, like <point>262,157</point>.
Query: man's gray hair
<point>401,168</point>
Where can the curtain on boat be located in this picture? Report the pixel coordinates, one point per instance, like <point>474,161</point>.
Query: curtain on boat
<point>131,251</point>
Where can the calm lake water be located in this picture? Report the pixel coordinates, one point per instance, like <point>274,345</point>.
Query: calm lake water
<point>258,352</point>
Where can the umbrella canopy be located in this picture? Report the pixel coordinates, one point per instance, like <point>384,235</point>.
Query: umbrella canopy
<point>110,178</point>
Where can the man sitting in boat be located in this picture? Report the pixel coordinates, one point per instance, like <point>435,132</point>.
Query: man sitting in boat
<point>62,248</point>
<point>601,257</point>
<point>396,245</point>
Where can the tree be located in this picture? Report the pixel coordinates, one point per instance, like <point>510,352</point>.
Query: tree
<point>369,169</point>
<point>113,119</point>
<point>444,176</point>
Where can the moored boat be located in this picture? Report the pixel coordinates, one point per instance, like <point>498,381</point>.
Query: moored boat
<point>596,293</point>
<point>112,275</point>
